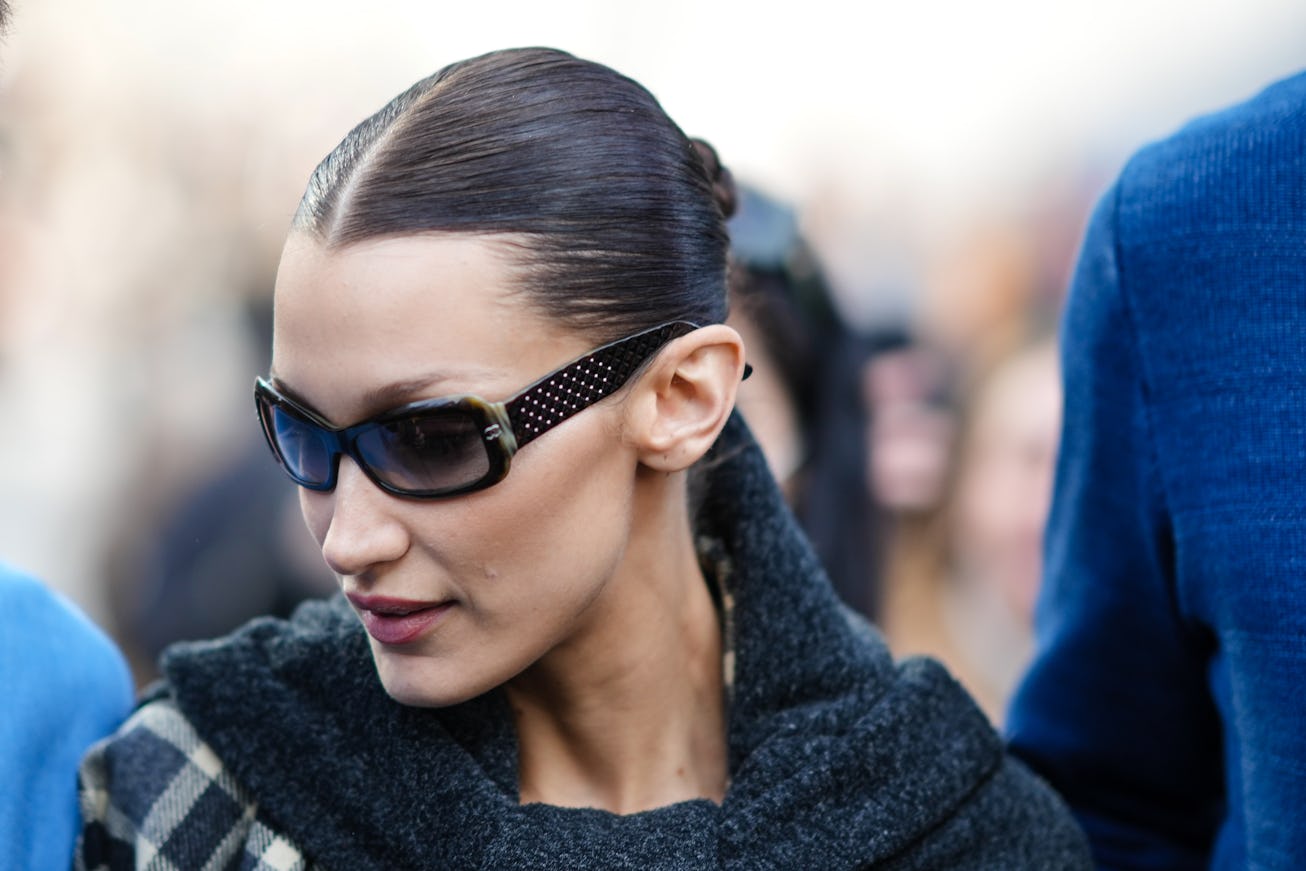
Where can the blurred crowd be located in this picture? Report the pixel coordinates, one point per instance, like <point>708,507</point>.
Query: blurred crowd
<point>918,453</point>
<point>912,426</point>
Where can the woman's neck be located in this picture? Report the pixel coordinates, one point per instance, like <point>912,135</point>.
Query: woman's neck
<point>628,714</point>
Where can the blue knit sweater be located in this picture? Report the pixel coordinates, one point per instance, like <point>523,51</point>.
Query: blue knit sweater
<point>1168,699</point>
<point>65,687</point>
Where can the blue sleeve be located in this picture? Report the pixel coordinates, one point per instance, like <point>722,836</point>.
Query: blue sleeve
<point>66,686</point>
<point>1115,711</point>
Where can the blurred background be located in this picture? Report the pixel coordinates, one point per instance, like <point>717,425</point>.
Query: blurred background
<point>925,171</point>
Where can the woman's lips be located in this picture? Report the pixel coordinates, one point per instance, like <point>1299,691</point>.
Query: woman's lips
<point>397,621</point>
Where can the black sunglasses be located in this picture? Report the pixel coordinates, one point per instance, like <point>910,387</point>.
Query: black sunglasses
<point>443,447</point>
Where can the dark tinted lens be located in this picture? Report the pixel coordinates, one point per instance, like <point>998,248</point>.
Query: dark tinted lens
<point>303,448</point>
<point>432,452</point>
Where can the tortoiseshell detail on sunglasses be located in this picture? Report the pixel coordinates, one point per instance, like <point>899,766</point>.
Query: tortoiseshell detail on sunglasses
<point>500,428</point>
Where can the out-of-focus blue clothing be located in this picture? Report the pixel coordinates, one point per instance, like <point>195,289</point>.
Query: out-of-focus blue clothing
<point>65,686</point>
<point>1168,699</point>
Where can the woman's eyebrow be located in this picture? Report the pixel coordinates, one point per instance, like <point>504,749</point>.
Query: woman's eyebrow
<point>377,399</point>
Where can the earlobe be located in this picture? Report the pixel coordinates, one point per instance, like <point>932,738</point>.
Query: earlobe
<point>686,397</point>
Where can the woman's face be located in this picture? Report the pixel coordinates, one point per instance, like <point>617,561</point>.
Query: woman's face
<point>459,594</point>
<point>1005,484</point>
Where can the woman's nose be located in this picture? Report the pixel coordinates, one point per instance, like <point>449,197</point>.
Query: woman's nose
<point>362,529</point>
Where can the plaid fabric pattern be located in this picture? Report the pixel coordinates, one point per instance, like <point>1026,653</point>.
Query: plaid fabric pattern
<point>180,810</point>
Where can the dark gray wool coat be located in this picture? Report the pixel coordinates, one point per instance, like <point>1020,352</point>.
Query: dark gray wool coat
<point>278,748</point>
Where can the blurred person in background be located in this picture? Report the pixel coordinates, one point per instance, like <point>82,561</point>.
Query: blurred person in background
<point>966,591</point>
<point>803,401</point>
<point>1166,699</point>
<point>550,658</point>
<point>908,387</point>
<point>65,687</point>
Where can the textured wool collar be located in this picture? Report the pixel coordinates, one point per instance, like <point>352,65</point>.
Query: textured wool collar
<point>837,758</point>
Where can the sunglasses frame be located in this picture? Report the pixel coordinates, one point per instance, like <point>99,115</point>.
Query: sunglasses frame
<point>505,426</point>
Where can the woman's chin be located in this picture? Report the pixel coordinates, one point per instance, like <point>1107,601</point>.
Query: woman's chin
<point>415,683</point>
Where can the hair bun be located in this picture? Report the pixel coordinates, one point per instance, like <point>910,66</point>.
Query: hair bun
<point>723,183</point>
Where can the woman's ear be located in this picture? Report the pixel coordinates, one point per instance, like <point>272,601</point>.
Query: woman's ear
<point>683,400</point>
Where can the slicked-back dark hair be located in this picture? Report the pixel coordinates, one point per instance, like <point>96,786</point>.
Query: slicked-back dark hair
<point>619,215</point>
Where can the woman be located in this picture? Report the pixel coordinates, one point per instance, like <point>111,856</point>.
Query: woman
<point>568,658</point>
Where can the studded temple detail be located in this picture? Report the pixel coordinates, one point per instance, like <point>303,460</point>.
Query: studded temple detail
<point>577,386</point>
